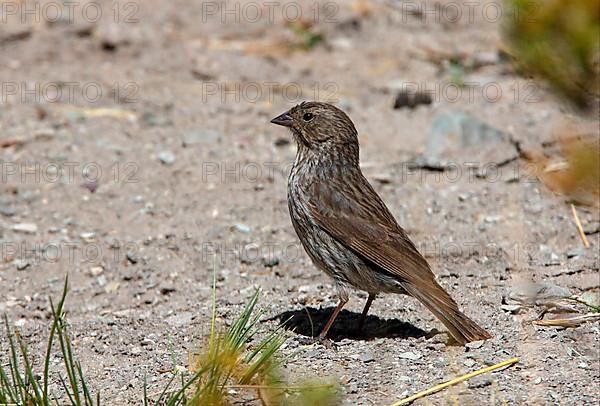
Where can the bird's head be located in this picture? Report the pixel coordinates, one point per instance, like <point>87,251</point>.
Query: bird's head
<point>320,127</point>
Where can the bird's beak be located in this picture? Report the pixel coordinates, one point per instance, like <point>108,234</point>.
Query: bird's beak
<point>283,119</point>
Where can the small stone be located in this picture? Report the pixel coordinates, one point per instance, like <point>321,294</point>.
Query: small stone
<point>469,362</point>
<point>342,43</point>
<point>270,262</point>
<point>474,345</point>
<point>166,157</point>
<point>165,289</point>
<point>112,287</point>
<point>514,309</point>
<point>87,236</point>
<point>411,99</point>
<point>484,58</point>
<point>147,342</point>
<point>576,252</point>
<point>591,298</point>
<point>582,365</point>
<point>534,209</point>
<point>96,270</point>
<point>479,382</point>
<point>21,265</point>
<point>27,228</point>
<point>180,320</point>
<point>366,357</point>
<point>7,211</point>
<point>413,356</point>
<point>153,120</point>
<point>44,133</point>
<point>132,258</point>
<point>537,381</point>
<point>242,228</point>
<point>492,219</point>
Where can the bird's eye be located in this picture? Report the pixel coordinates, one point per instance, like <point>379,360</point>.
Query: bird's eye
<point>307,117</point>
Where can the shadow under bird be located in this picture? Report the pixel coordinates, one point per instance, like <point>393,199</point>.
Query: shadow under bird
<point>345,227</point>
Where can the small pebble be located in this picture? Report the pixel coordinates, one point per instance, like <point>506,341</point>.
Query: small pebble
<point>366,357</point>
<point>242,228</point>
<point>27,228</point>
<point>479,382</point>
<point>469,362</point>
<point>21,265</point>
<point>166,157</point>
<point>413,356</point>
<point>270,262</point>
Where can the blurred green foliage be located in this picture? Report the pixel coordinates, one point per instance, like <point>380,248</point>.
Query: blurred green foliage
<point>558,41</point>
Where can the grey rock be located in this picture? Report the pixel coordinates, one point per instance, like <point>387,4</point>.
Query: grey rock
<point>459,138</point>
<point>7,211</point>
<point>541,293</point>
<point>474,345</point>
<point>413,356</point>
<point>132,258</point>
<point>479,382</point>
<point>180,320</point>
<point>576,252</point>
<point>366,357</point>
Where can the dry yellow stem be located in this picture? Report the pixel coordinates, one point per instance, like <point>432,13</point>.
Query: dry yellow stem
<point>579,227</point>
<point>455,381</point>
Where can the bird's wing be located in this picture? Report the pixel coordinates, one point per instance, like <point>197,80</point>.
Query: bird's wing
<point>354,215</point>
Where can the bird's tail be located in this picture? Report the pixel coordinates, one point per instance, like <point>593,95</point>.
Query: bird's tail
<point>439,302</point>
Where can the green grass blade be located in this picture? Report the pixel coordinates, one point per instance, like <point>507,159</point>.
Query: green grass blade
<point>55,321</point>
<point>145,391</point>
<point>30,377</point>
<point>17,379</point>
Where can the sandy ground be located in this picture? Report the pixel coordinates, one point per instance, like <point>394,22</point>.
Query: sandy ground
<point>144,159</point>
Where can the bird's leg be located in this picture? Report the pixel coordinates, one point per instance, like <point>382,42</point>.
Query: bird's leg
<point>363,316</point>
<point>332,318</point>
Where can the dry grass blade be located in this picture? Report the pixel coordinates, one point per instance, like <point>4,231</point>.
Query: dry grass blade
<point>454,381</point>
<point>568,322</point>
<point>579,226</point>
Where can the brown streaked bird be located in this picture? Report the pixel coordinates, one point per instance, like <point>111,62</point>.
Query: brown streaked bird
<point>345,227</point>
